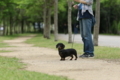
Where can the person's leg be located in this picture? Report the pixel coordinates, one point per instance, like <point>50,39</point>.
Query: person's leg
<point>85,26</point>
<point>82,35</point>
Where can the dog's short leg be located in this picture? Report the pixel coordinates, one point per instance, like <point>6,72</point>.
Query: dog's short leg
<point>71,57</point>
<point>62,59</point>
<point>75,57</point>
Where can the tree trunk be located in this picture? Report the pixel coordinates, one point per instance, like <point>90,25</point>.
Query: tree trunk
<point>11,25</point>
<point>69,21</point>
<point>97,25</point>
<point>4,26</point>
<point>22,25</point>
<point>45,19</point>
<point>56,20</point>
<point>48,19</point>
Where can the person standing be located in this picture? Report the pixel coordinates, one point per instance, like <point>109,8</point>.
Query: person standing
<point>85,17</point>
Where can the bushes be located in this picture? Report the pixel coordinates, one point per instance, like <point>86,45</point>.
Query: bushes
<point>110,18</point>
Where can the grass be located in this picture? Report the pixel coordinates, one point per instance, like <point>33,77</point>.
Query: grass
<point>9,37</point>
<point>107,53</point>
<point>13,69</point>
<point>101,52</point>
<point>3,45</point>
<point>4,38</point>
<point>4,51</point>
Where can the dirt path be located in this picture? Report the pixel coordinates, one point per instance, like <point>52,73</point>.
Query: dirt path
<point>47,61</point>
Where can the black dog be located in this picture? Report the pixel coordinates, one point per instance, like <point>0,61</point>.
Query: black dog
<point>66,52</point>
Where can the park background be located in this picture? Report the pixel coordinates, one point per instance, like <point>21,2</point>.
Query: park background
<point>20,16</point>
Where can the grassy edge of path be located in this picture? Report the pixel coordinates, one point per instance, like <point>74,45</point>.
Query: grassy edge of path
<point>13,69</point>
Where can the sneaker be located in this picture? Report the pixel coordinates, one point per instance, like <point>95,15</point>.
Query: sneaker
<point>85,55</point>
<point>91,55</point>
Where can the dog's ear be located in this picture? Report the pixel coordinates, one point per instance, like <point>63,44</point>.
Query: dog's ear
<point>57,46</point>
<point>63,46</point>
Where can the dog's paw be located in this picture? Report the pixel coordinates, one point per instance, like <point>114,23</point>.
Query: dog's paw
<point>62,59</point>
<point>75,59</point>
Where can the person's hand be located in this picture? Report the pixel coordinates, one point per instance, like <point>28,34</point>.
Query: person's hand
<point>75,6</point>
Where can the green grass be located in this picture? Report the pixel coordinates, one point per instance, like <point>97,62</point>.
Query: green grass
<point>4,51</point>
<point>107,53</point>
<point>27,75</point>
<point>9,38</point>
<point>5,38</point>
<point>12,69</point>
<point>3,45</point>
<point>101,52</point>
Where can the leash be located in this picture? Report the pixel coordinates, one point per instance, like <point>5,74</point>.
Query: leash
<point>73,39</point>
<point>74,35</point>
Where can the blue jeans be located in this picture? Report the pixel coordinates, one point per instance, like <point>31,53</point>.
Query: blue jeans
<point>85,30</point>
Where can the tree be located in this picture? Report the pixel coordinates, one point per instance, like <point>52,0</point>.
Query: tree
<point>97,25</point>
<point>7,14</point>
<point>69,21</point>
<point>56,19</point>
<point>47,18</point>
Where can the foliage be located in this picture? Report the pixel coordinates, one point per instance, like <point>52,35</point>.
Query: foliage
<point>61,5</point>
<point>118,26</point>
<point>18,13</point>
<point>117,1</point>
<point>109,16</point>
<point>32,8</point>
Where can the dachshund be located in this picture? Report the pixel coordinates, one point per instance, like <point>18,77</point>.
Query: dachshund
<point>66,52</point>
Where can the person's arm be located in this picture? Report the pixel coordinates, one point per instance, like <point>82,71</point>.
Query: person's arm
<point>81,1</point>
<point>84,2</point>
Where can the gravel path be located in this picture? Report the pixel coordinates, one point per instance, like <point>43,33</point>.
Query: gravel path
<point>46,60</point>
